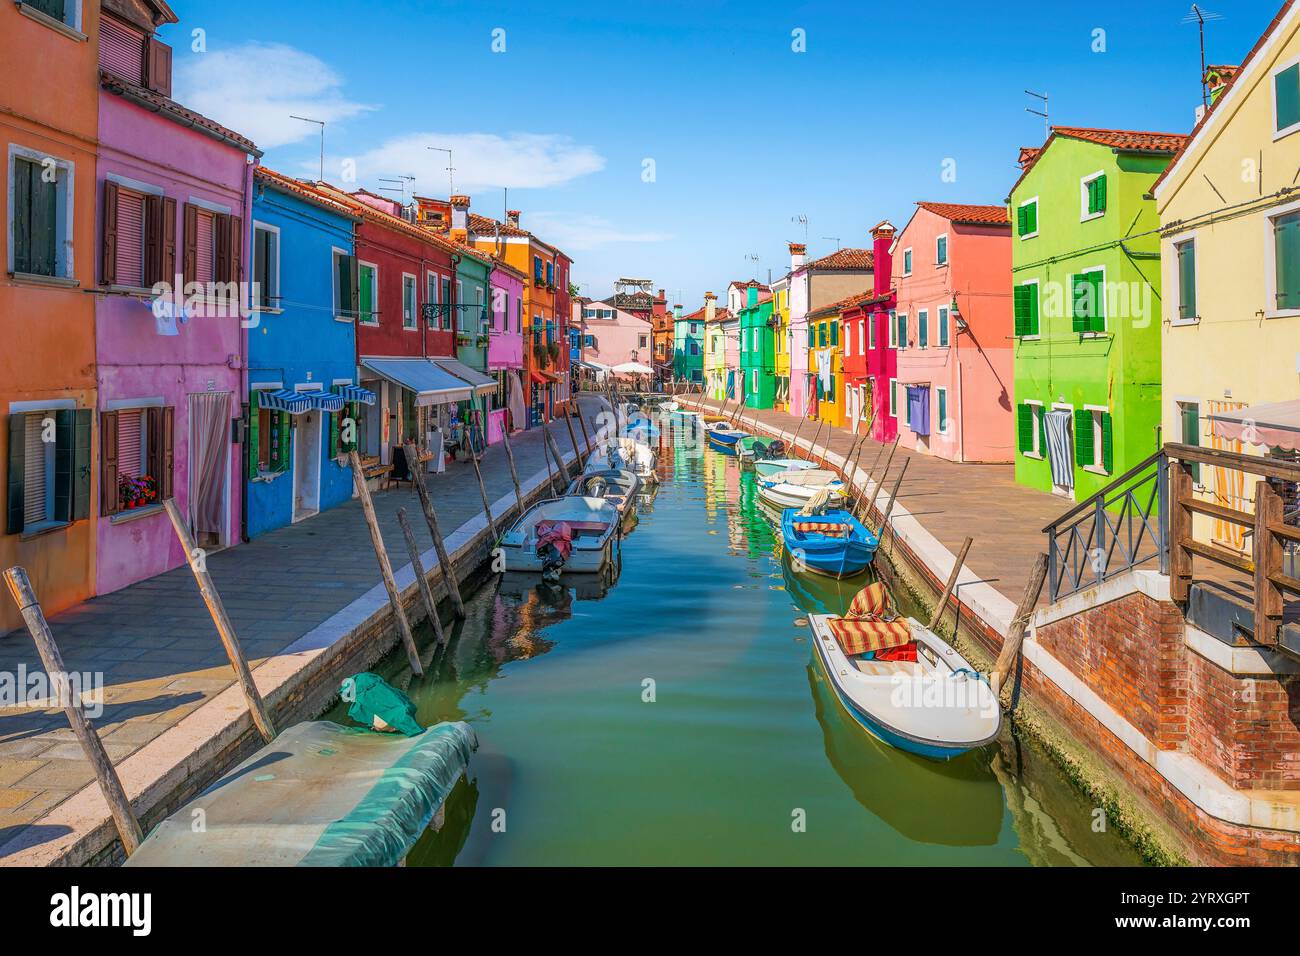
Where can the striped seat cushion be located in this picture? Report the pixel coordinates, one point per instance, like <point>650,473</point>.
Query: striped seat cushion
<point>859,637</point>
<point>831,529</point>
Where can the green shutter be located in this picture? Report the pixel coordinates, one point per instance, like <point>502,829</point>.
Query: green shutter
<point>943,409</point>
<point>1286,97</point>
<point>1084,451</point>
<point>1187,280</point>
<point>71,464</point>
<point>1100,185</point>
<point>17,471</point>
<point>253,443</point>
<point>1032,327</point>
<point>367,305</point>
<point>835,333</point>
<point>35,213</point>
<point>1025,427</point>
<point>1286,241</point>
<point>1078,314</point>
<point>1107,443</point>
<point>1021,307</point>
<point>285,441</point>
<point>923,329</point>
<point>1097,319</point>
<point>51,8</point>
<point>334,431</point>
<point>1191,416</point>
<point>1022,221</point>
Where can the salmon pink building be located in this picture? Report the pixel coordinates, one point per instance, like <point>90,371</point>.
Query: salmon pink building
<point>952,390</point>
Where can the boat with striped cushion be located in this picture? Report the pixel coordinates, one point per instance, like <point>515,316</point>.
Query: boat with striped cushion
<point>901,682</point>
<point>834,543</point>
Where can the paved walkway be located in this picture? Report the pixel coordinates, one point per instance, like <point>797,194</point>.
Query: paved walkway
<point>159,653</point>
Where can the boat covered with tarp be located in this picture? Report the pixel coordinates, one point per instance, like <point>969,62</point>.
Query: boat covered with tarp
<point>320,794</point>
<point>575,533</point>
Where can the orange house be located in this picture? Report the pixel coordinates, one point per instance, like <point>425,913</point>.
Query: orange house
<point>47,369</point>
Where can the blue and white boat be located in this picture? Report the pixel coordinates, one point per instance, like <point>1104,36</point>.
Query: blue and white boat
<point>834,543</point>
<point>725,435</point>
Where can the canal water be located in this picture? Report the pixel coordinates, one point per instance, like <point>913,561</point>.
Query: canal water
<point>678,715</point>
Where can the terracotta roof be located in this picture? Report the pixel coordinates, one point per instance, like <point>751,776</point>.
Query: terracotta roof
<point>115,84</point>
<point>1128,141</point>
<point>378,216</point>
<point>844,260</point>
<point>962,213</point>
<point>302,190</point>
<point>1027,155</point>
<point>847,302</point>
<point>486,225</point>
<point>1205,118</point>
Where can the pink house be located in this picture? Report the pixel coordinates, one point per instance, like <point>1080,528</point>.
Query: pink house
<point>870,360</point>
<point>173,206</point>
<point>505,352</point>
<point>613,337</point>
<point>953,332</point>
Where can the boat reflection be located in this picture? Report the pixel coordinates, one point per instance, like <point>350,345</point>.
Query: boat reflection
<point>819,593</point>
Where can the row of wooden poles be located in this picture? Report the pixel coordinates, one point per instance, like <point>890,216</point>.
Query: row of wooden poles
<point>20,586</point>
<point>861,509</point>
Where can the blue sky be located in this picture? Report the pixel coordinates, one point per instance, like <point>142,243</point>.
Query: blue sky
<point>745,134</point>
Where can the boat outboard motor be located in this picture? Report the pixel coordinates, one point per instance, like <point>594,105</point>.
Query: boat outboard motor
<point>773,449</point>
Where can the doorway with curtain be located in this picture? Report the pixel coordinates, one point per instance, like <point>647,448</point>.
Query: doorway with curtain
<point>209,480</point>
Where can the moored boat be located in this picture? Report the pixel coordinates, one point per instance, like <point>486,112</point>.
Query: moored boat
<point>794,489</point>
<point>574,534</point>
<point>834,543</point>
<point>625,454</point>
<point>725,435</point>
<point>767,467</point>
<point>903,683</point>
<point>619,487</point>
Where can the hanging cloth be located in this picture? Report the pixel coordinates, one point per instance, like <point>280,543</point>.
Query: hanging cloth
<point>1059,447</point>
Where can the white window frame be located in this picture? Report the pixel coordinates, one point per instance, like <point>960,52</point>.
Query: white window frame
<point>900,346</point>
<point>339,315</point>
<point>1069,298</point>
<point>1180,239</point>
<point>64,214</point>
<point>908,261</point>
<point>893,398</point>
<point>374,267</point>
<point>938,390</point>
<point>1033,201</point>
<point>947,250</point>
<point>1037,410</point>
<point>1270,263</point>
<point>415,302</point>
<point>862,337</point>
<point>275,269</point>
<point>431,294</point>
<point>1272,93</point>
<point>1084,215</point>
<point>943,319</point>
<point>1098,466</point>
<point>922,343</point>
<point>69,26</point>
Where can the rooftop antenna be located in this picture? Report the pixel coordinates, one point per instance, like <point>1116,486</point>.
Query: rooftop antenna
<point>1047,123</point>
<point>835,239</point>
<point>1199,17</point>
<point>402,183</point>
<point>321,124</point>
<point>802,220</point>
<point>451,182</point>
<point>753,257</point>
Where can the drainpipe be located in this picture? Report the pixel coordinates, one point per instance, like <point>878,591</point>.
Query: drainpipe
<point>247,201</point>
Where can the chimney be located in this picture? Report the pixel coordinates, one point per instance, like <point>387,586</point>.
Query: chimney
<point>710,306</point>
<point>751,296</point>
<point>797,250</point>
<point>677,312</point>
<point>882,237</point>
<point>512,216</point>
<point>460,217</point>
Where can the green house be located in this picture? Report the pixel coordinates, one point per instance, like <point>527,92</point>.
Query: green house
<point>757,350</point>
<point>1086,291</point>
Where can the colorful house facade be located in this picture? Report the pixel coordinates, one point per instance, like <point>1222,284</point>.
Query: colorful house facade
<point>613,336</point>
<point>47,369</point>
<point>814,285</point>
<point>756,350</point>
<point>505,351</point>
<point>870,357</point>
<point>1086,292</point>
<point>688,346</point>
<point>715,348</point>
<point>954,332</point>
<point>1231,332</point>
<point>175,192</point>
<point>781,344</point>
<point>826,362</point>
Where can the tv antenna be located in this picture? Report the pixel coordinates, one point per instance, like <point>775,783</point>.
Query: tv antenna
<point>401,181</point>
<point>753,257</point>
<point>834,239</point>
<point>1199,17</point>
<point>1047,123</point>
<point>321,124</point>
<point>802,220</point>
<point>451,182</point>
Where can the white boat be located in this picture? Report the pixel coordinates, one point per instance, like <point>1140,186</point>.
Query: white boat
<point>794,489</point>
<point>767,467</point>
<point>937,706</point>
<point>625,453</point>
<point>669,406</point>
<point>592,523</point>
<point>619,487</point>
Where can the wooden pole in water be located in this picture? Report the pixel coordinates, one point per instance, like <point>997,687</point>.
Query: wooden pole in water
<point>444,562</point>
<point>550,475</point>
<point>482,491</point>
<point>573,438</point>
<point>812,449</point>
<point>514,474</point>
<point>862,443</point>
<point>417,566</point>
<point>385,567</point>
<point>110,785</point>
<point>942,606</point>
<point>582,421</point>
<point>880,482</point>
<point>1019,624</point>
<point>225,630</point>
<point>794,442</point>
<point>889,507</point>
<point>559,459</point>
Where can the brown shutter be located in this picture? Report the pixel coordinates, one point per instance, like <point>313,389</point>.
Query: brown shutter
<point>221,271</point>
<point>108,259</point>
<point>167,242</point>
<point>165,470</point>
<point>236,249</point>
<point>158,63</point>
<point>108,463</point>
<point>191,260</point>
<point>153,224</point>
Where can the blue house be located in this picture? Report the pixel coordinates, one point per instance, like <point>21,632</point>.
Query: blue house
<point>303,396</point>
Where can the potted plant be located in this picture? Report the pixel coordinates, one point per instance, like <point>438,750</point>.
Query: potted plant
<point>136,491</point>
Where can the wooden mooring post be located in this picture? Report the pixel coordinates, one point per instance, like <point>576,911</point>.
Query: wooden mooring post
<point>889,506</point>
<point>573,438</point>
<point>413,549</point>
<point>952,583</point>
<point>430,516</point>
<point>514,474</point>
<point>385,566</point>
<point>110,785</point>
<point>482,490</point>
<point>559,459</point>
<point>1019,624</point>
<point>880,482</point>
<point>198,563</point>
<point>586,437</point>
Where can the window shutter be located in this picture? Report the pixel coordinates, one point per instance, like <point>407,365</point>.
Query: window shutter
<point>72,464</point>
<point>108,250</point>
<point>366,295</point>
<point>108,503</point>
<point>1107,442</point>
<point>1286,230</point>
<point>254,442</point>
<point>1187,280</point>
<point>51,8</point>
<point>158,64</point>
<point>1099,187</point>
<point>923,329</point>
<point>44,218</point>
<point>943,410</point>
<point>1031,326</point>
<point>222,261</point>
<point>1025,427</point>
<point>1286,97</point>
<point>334,430</point>
<point>22,236</point>
<point>162,426</point>
<point>1097,316</point>
<point>236,249</point>
<point>15,492</point>
<point>1022,219</point>
<point>285,443</point>
<point>190,259</point>
<point>153,239</point>
<point>1084,451</point>
<point>1078,313</point>
<point>167,244</point>
<point>1032,216</point>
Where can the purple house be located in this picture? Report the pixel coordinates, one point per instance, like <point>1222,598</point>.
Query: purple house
<point>505,355</point>
<point>174,195</point>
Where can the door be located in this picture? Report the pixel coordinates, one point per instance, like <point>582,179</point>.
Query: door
<point>306,464</point>
<point>209,484</point>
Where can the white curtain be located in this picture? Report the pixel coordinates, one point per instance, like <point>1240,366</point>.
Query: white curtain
<point>515,402</point>
<point>210,434</point>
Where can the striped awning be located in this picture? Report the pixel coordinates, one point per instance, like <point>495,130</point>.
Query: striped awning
<point>284,400</point>
<point>326,401</point>
<point>355,393</point>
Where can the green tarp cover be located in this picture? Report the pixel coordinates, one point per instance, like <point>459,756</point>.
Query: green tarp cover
<point>373,697</point>
<point>318,795</point>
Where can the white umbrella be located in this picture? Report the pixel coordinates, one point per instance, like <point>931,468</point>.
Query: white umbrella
<point>633,368</point>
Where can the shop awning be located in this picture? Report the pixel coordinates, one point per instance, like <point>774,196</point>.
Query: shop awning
<point>355,393</point>
<point>472,377</point>
<point>1273,425</point>
<point>326,401</point>
<point>542,378</point>
<point>284,400</point>
<point>432,384</point>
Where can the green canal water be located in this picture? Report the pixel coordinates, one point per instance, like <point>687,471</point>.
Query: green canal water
<point>679,716</point>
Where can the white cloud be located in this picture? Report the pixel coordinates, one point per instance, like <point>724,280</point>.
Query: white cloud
<point>255,87</point>
<point>481,160</point>
<point>584,233</point>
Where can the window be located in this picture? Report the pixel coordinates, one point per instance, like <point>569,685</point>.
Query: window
<point>923,329</point>
<point>941,400</point>
<point>1286,100</point>
<point>893,398</point>
<point>270,439</point>
<point>49,469</point>
<point>408,301</point>
<point>695,328</point>
<point>136,458</point>
<point>870,322</point>
<point>862,337</point>
<point>66,12</point>
<point>550,273</point>
<point>1189,426</point>
<point>368,293</point>
<point>907,262</point>
<point>266,266</point>
<point>40,214</point>
<point>1092,439</point>
<point>901,331</point>
<point>1186,254</point>
<point>642,340</point>
<point>943,326</point>
<point>446,304</point>
<point>902,402</point>
<point>480,314</point>
<point>1030,439</point>
<point>135,56</point>
<point>835,332</point>
<point>1088,301</point>
<point>124,238</point>
<point>1026,309</point>
<point>1092,196</point>
<point>214,245</point>
<point>1027,219</point>
<point>754,381</point>
<point>537,269</point>
<point>941,251</point>
<point>345,285</point>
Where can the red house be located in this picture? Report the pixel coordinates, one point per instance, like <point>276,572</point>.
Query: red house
<point>871,362</point>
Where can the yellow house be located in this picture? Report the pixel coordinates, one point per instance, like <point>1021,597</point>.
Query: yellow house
<point>715,361</point>
<point>1230,259</point>
<point>781,346</point>
<point>826,363</point>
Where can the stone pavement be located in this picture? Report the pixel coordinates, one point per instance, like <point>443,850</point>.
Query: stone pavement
<point>157,648</point>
